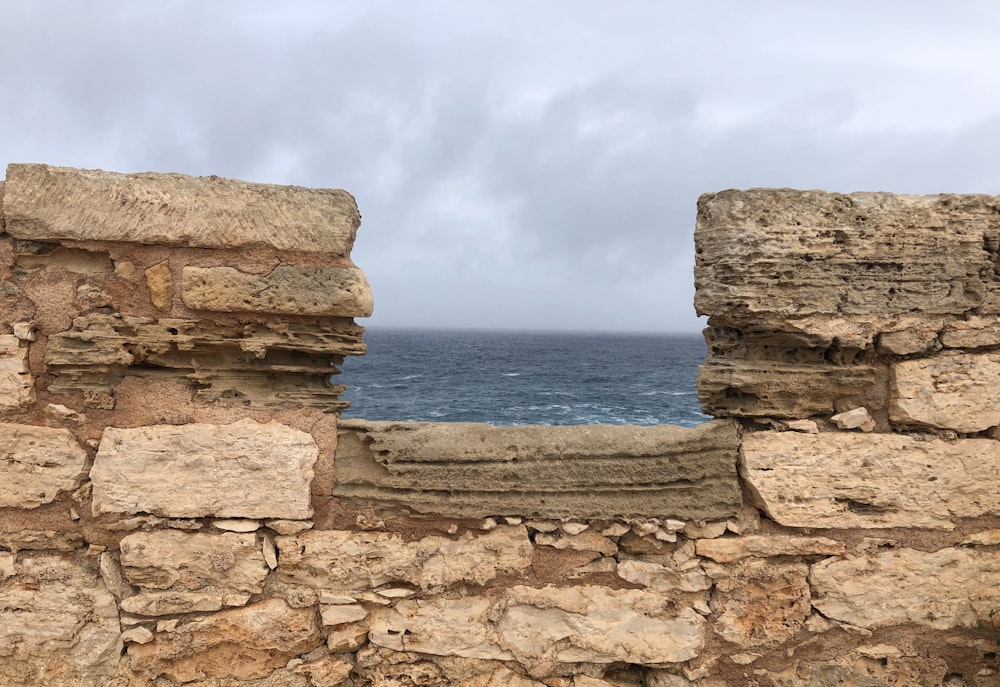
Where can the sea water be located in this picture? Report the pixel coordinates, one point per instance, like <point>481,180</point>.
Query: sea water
<point>512,378</point>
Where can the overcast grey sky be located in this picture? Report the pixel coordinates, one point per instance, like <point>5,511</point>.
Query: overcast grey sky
<point>518,164</point>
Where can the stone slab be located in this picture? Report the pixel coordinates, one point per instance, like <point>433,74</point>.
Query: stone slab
<point>959,391</point>
<point>241,643</point>
<point>58,624</point>
<point>168,559</point>
<point>848,480</point>
<point>356,561</point>
<point>17,387</point>
<point>774,254</point>
<point>538,627</point>
<point>241,470</point>
<point>592,471</point>
<point>36,463</point>
<point>732,549</point>
<point>46,203</point>
<point>951,587</point>
<point>286,290</point>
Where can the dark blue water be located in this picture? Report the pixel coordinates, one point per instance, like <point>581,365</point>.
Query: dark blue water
<point>511,378</point>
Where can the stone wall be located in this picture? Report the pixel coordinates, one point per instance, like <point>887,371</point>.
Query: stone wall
<point>180,504</point>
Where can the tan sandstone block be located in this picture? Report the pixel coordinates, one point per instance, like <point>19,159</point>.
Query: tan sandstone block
<point>168,559</point>
<point>732,549</point>
<point>45,203</point>
<point>539,626</point>
<point>343,560</point>
<point>286,290</point>
<point>771,254</point>
<point>762,602</point>
<point>36,463</point>
<point>58,625</point>
<point>17,388</point>
<point>241,470</point>
<point>959,391</point>
<point>847,480</point>
<point>951,587</point>
<point>160,283</point>
<point>241,643</point>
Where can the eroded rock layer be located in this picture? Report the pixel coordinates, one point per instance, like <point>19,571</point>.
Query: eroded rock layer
<point>597,471</point>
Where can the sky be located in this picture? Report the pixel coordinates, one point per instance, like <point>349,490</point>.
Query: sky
<point>518,164</point>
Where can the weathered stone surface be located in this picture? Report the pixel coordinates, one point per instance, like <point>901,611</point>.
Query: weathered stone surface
<point>585,541</point>
<point>286,290</point>
<point>172,602</point>
<point>766,255</point>
<point>241,470</point>
<point>160,283</point>
<point>732,549</point>
<point>272,364</point>
<point>41,540</point>
<point>17,388</point>
<point>168,559</point>
<point>855,418</point>
<point>326,672</point>
<point>846,480</point>
<point>951,587</point>
<point>241,643</point>
<point>36,463</point>
<point>972,332</point>
<point>57,203</point>
<point>478,470</point>
<point>58,625</point>
<point>959,391</point>
<point>343,560</point>
<point>762,602</point>
<point>663,579</point>
<point>341,614</point>
<point>855,669</point>
<point>538,627</point>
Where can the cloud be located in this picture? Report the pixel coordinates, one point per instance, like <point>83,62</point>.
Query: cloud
<point>517,164</point>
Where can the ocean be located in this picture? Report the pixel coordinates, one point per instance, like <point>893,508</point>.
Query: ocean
<point>515,378</point>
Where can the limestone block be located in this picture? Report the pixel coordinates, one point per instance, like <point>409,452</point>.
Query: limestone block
<point>776,254</point>
<point>241,470</point>
<point>959,391</point>
<point>341,614</point>
<point>732,549</point>
<point>58,203</point>
<point>855,418</point>
<point>345,561</point>
<point>271,364</point>
<point>168,559</point>
<point>972,332</point>
<point>585,541</point>
<point>855,669</point>
<point>36,463</point>
<point>173,602</point>
<point>847,480</point>
<point>593,471</point>
<point>240,643</point>
<point>286,290</point>
<point>762,602</point>
<point>17,388</point>
<point>539,626</point>
<point>951,587</point>
<point>663,579</point>
<point>328,671</point>
<point>160,283</point>
<point>58,625</point>
<point>504,677</point>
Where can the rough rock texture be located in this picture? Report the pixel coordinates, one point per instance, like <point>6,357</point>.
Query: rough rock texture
<point>457,469</point>
<point>766,255</point>
<point>762,602</point>
<point>959,391</point>
<point>17,388</point>
<point>241,470</point>
<point>845,479</point>
<point>943,589</point>
<point>539,627</point>
<point>44,203</point>
<point>58,624</point>
<point>36,463</point>
<point>240,643</point>
<point>286,290</point>
<point>732,549</point>
<point>342,560</point>
<point>168,559</point>
<point>273,364</point>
